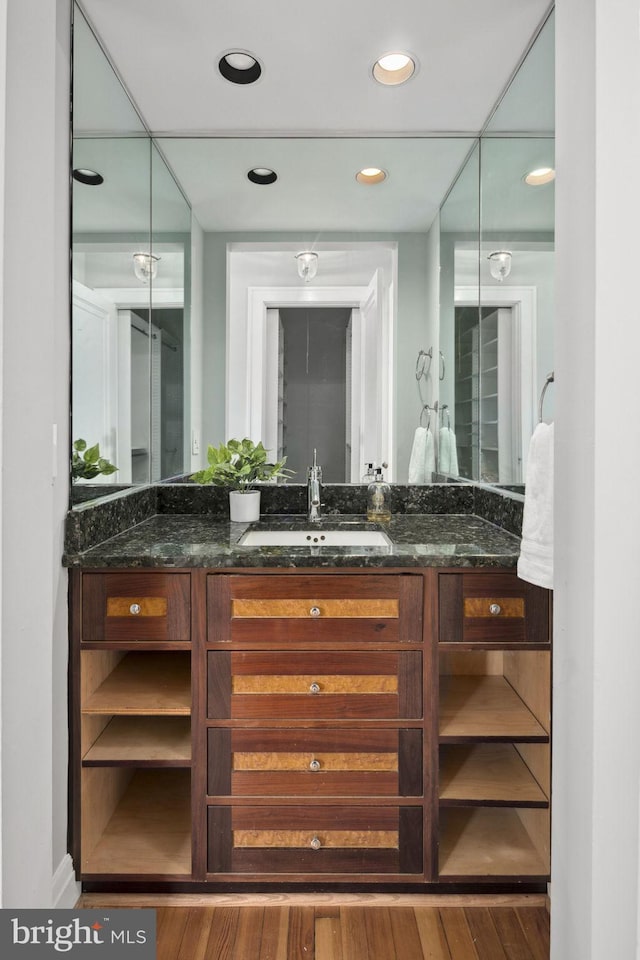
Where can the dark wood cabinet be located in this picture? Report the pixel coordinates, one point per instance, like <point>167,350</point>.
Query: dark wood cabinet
<point>315,839</point>
<point>495,608</point>
<point>494,728</point>
<point>388,728</point>
<point>337,660</point>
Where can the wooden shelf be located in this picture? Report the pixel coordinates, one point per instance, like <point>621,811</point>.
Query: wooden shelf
<point>488,841</point>
<point>149,831</point>
<point>488,774</point>
<point>485,708</point>
<point>146,684</point>
<point>156,741</point>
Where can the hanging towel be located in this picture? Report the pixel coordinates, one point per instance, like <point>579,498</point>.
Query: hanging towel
<point>536,550</point>
<point>422,463</point>
<point>447,452</point>
<point>429,457</point>
<point>418,456</point>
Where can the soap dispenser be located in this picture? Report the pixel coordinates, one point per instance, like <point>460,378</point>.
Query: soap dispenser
<point>379,498</point>
<point>368,475</point>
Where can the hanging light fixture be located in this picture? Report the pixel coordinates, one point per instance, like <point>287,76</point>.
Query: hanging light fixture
<point>145,266</point>
<point>307,265</point>
<point>500,264</point>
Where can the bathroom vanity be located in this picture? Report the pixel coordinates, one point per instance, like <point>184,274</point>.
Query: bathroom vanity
<point>334,717</point>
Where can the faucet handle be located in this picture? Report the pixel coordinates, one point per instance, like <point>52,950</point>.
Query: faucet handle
<point>314,472</point>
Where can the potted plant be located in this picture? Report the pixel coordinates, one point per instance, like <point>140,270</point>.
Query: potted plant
<point>86,462</point>
<point>239,464</point>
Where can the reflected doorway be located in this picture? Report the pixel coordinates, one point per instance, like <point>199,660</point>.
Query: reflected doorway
<point>314,389</point>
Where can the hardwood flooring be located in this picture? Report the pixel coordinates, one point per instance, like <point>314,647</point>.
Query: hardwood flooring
<point>319,927</point>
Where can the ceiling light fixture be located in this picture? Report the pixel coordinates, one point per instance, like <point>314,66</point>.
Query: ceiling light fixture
<point>262,175</point>
<point>145,266</point>
<point>238,66</point>
<point>394,68</point>
<point>91,177</point>
<point>540,176</point>
<point>500,264</point>
<point>307,265</point>
<point>370,175</point>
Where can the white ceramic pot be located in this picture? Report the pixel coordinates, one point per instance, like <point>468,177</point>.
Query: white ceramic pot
<point>244,507</point>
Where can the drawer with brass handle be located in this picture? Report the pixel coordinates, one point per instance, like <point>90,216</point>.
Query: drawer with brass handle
<point>307,762</point>
<point>136,607</point>
<point>492,608</point>
<point>315,839</point>
<point>314,685</point>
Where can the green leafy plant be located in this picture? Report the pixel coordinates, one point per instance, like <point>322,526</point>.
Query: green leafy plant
<point>86,462</point>
<point>239,464</point>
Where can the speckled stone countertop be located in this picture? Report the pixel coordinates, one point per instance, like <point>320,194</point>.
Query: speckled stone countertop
<point>417,540</point>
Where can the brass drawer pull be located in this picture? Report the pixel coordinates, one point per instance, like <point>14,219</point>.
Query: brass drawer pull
<point>314,688</point>
<point>316,843</point>
<point>495,609</point>
<point>314,765</point>
<point>314,612</point>
<point>135,608</point>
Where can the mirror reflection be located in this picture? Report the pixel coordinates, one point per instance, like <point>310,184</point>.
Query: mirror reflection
<point>496,317</point>
<point>195,319</point>
<point>130,290</point>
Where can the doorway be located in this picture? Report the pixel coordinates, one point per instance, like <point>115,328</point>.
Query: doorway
<point>314,375</point>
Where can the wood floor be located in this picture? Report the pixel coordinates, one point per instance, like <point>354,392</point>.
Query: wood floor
<point>371,927</point>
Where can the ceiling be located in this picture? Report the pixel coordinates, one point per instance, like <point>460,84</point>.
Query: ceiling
<point>314,105</point>
<point>317,62</point>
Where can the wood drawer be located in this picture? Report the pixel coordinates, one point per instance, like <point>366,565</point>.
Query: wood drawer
<point>291,609</point>
<point>492,608</point>
<point>314,685</point>
<point>323,763</point>
<point>136,607</point>
<point>315,839</point>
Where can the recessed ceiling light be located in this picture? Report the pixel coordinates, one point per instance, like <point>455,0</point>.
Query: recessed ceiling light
<point>238,66</point>
<point>262,175</point>
<point>90,177</point>
<point>394,68</point>
<point>371,175</point>
<point>535,178</point>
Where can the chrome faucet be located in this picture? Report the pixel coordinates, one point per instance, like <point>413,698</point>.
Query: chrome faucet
<point>314,489</point>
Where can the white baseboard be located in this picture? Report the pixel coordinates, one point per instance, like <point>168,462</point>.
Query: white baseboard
<point>65,889</point>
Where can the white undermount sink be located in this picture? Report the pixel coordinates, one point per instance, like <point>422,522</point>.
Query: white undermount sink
<point>314,538</point>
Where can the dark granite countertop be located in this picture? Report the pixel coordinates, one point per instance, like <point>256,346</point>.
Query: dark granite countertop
<point>194,540</point>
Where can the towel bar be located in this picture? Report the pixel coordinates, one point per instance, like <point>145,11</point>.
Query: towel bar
<point>550,379</point>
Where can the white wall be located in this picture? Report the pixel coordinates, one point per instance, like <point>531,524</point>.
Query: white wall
<point>597,652</point>
<point>3,92</point>
<point>35,395</point>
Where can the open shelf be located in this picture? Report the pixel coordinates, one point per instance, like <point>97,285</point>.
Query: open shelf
<point>485,708</point>
<point>487,774</point>
<point>155,741</point>
<point>492,842</point>
<point>146,683</point>
<point>139,824</point>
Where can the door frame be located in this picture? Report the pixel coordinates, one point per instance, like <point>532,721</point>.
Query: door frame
<point>260,417</point>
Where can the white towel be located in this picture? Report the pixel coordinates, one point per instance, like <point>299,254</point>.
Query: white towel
<point>429,457</point>
<point>417,459</point>
<point>447,452</point>
<point>422,462</point>
<point>536,550</point>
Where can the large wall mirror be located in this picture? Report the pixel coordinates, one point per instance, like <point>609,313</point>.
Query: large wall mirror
<point>131,290</point>
<point>497,254</point>
<point>194,320</point>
